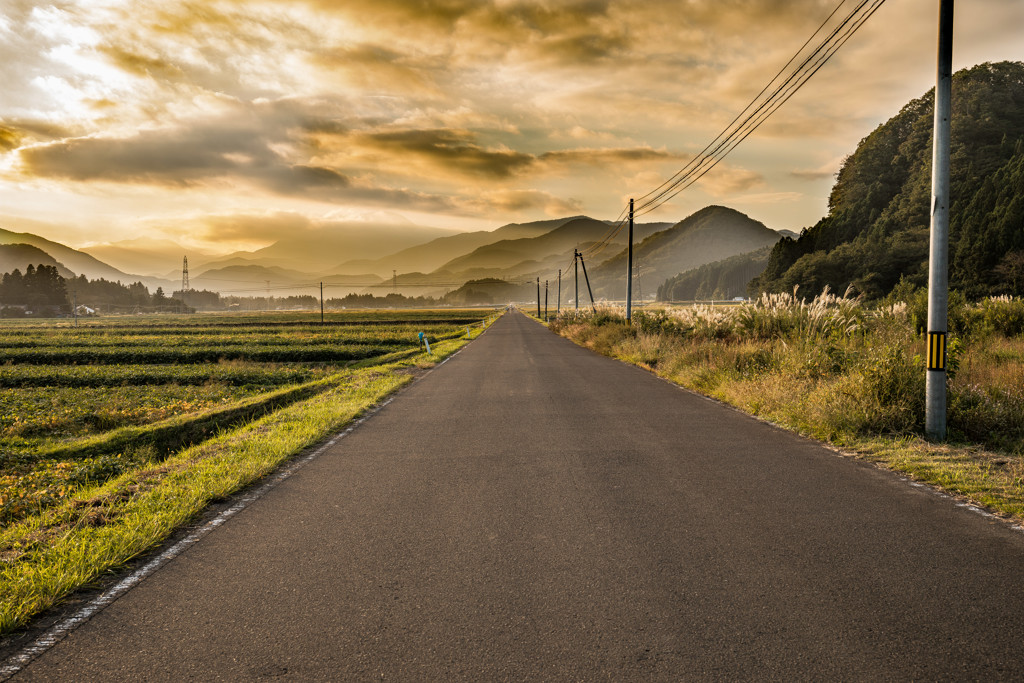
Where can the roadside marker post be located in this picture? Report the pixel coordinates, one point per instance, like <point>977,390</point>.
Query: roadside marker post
<point>425,342</point>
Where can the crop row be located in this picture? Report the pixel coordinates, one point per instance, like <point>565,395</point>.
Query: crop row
<point>285,323</point>
<point>354,335</point>
<point>33,480</point>
<point>234,373</point>
<point>305,353</point>
<point>60,412</point>
<point>200,342</point>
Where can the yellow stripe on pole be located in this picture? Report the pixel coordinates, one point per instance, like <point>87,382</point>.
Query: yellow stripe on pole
<point>936,350</point>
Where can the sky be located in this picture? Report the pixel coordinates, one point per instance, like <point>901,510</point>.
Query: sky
<point>229,124</point>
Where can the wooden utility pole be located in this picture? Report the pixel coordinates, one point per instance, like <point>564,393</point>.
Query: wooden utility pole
<point>545,301</point>
<point>629,266</point>
<point>538,297</point>
<point>938,255</point>
<point>558,303</point>
<point>321,303</point>
<point>576,269</point>
<point>587,280</point>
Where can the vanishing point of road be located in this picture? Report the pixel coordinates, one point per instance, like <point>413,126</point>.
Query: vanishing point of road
<point>532,511</point>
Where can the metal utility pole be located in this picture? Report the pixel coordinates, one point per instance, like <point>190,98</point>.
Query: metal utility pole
<point>558,304</point>
<point>545,301</point>
<point>394,281</point>
<point>576,268</point>
<point>629,266</point>
<point>587,280</point>
<point>538,297</point>
<point>268,294</point>
<point>321,303</point>
<point>938,255</point>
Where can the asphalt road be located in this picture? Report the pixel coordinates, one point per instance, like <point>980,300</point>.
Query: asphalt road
<point>532,511</point>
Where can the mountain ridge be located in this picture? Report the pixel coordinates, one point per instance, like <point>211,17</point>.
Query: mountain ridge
<point>876,232</point>
<point>711,234</point>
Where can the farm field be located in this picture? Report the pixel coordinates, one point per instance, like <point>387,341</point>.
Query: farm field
<point>95,417</point>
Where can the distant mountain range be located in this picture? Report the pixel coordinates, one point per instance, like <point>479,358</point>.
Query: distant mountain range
<point>19,256</point>
<point>150,257</point>
<point>431,256</point>
<point>441,262</point>
<point>72,260</point>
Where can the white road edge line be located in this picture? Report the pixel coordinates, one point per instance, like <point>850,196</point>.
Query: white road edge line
<point>15,663</point>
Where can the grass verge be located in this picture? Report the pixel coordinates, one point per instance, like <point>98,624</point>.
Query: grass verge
<point>46,557</point>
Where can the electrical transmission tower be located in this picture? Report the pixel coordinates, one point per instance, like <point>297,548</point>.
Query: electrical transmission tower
<point>184,280</point>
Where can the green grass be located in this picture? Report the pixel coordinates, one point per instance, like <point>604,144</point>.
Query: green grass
<point>79,506</point>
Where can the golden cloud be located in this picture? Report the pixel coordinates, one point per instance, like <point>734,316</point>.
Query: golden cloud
<point>9,138</point>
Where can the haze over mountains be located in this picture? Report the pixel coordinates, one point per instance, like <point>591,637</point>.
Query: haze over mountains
<point>78,262</point>
<point>712,234</point>
<point>429,261</point>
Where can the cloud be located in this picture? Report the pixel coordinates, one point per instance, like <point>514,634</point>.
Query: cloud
<point>375,68</point>
<point>466,107</point>
<point>610,157</point>
<point>454,150</point>
<point>164,157</point>
<point>824,172</point>
<point>142,65</point>
<point>724,180</point>
<point>771,198</point>
<point>258,228</point>
<point>9,138</point>
<point>514,201</point>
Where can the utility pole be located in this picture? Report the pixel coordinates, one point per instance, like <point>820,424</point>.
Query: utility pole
<point>576,268</point>
<point>558,304</point>
<point>545,301</point>
<point>629,266</point>
<point>538,297</point>
<point>938,255</point>
<point>321,303</point>
<point>394,281</point>
<point>587,279</point>
<point>268,294</point>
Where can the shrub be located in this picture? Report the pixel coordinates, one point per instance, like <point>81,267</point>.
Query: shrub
<point>891,391</point>
<point>1004,315</point>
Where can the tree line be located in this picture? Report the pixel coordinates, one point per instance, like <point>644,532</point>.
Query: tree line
<point>42,291</point>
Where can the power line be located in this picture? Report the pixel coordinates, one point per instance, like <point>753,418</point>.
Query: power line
<point>758,96</point>
<point>749,119</point>
<point>760,108</point>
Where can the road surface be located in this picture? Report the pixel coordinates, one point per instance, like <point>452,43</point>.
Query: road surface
<point>533,511</point>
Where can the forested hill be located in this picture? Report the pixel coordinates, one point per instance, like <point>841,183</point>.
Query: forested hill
<point>877,226</point>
